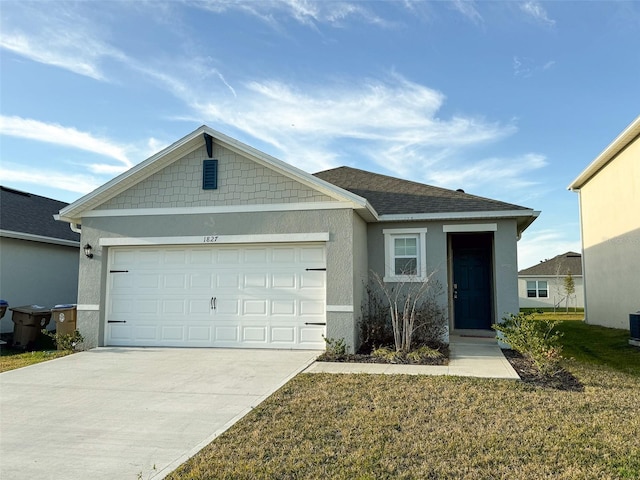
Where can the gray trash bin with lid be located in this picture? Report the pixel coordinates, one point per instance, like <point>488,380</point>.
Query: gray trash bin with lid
<point>3,307</point>
<point>28,320</point>
<point>65,318</point>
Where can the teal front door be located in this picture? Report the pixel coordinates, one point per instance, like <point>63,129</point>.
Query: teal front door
<point>472,281</point>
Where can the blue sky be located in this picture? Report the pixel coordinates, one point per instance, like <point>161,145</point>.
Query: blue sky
<point>508,100</point>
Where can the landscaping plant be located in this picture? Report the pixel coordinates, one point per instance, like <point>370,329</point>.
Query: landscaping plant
<point>405,300</point>
<point>67,342</point>
<point>535,339</point>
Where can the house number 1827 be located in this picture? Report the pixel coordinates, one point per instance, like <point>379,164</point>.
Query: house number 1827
<point>210,238</point>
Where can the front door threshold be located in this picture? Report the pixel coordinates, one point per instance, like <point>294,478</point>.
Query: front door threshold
<point>464,332</point>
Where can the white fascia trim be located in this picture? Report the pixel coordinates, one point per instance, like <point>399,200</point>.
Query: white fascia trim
<point>340,308</point>
<point>262,207</point>
<point>620,142</point>
<point>217,239</point>
<point>84,307</point>
<point>470,227</point>
<point>548,276</point>
<point>458,215</point>
<point>38,238</point>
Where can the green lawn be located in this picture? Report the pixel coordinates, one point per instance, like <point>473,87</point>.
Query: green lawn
<point>379,426</point>
<point>45,349</point>
<point>12,359</point>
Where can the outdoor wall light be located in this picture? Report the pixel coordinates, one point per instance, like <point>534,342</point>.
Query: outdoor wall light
<point>87,251</point>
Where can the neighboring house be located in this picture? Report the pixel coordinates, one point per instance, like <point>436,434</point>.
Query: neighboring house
<point>609,194</point>
<point>543,285</point>
<point>38,256</point>
<point>213,243</point>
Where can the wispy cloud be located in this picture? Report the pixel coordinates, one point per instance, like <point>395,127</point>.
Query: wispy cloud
<point>70,182</point>
<point>526,67</point>
<point>535,246</point>
<point>469,10</point>
<point>536,11</point>
<point>65,39</point>
<point>66,136</point>
<point>509,173</point>
<point>305,12</point>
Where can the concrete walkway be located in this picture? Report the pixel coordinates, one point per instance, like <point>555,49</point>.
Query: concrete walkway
<point>468,357</point>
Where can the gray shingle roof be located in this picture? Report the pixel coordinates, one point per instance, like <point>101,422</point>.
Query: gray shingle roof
<point>28,213</point>
<point>559,265</point>
<point>389,195</point>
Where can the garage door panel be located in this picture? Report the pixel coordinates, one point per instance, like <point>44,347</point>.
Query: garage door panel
<point>254,334</point>
<point>255,280</point>
<point>262,294</point>
<point>283,307</point>
<point>172,333</point>
<point>283,334</point>
<point>199,333</point>
<point>284,280</point>
<point>227,334</point>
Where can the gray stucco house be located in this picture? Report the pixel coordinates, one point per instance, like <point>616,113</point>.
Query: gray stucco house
<point>211,242</point>
<point>38,256</point>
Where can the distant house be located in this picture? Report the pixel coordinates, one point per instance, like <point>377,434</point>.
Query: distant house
<point>38,256</point>
<point>609,193</point>
<point>543,285</point>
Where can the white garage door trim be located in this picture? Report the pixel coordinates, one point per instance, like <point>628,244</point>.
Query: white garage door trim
<point>220,239</point>
<point>267,295</point>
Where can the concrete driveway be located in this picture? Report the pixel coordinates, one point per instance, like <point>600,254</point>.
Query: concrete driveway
<point>116,412</point>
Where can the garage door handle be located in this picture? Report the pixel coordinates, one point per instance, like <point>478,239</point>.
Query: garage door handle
<point>116,321</point>
<point>214,302</point>
<point>314,323</point>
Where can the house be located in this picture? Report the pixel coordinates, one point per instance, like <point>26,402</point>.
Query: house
<point>211,242</point>
<point>39,257</point>
<point>609,195</point>
<point>542,286</point>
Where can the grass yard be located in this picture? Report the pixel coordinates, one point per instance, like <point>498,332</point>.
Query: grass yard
<point>12,359</point>
<point>379,426</point>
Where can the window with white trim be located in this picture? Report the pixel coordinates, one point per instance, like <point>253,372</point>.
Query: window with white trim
<point>405,258</point>
<point>537,289</point>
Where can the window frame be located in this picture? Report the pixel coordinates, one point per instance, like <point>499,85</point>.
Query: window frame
<point>537,289</point>
<point>390,236</point>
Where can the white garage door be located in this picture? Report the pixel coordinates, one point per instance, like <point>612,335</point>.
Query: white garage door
<point>252,296</point>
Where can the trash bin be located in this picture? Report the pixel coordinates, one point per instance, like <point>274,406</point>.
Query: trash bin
<point>28,321</point>
<point>3,307</point>
<point>634,325</point>
<point>65,318</point>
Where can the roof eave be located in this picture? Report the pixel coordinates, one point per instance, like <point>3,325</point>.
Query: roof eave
<point>621,141</point>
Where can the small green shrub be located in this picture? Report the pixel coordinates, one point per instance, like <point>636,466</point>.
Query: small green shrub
<point>67,341</point>
<point>419,355</point>
<point>424,353</point>
<point>335,348</point>
<point>535,339</point>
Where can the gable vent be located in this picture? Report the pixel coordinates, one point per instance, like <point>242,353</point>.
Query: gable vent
<point>209,174</point>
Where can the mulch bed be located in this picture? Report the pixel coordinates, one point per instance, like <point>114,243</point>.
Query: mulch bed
<point>563,380</point>
<point>368,358</point>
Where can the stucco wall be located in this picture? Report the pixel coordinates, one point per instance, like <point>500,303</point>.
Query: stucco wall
<point>36,273</point>
<point>609,206</point>
<point>556,293</point>
<point>340,263</point>
<point>505,269</point>
<point>240,182</point>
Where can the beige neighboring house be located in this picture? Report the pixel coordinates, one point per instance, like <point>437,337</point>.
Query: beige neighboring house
<point>609,193</point>
<point>543,285</point>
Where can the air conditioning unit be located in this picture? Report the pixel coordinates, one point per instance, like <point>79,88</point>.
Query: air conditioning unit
<point>634,327</point>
